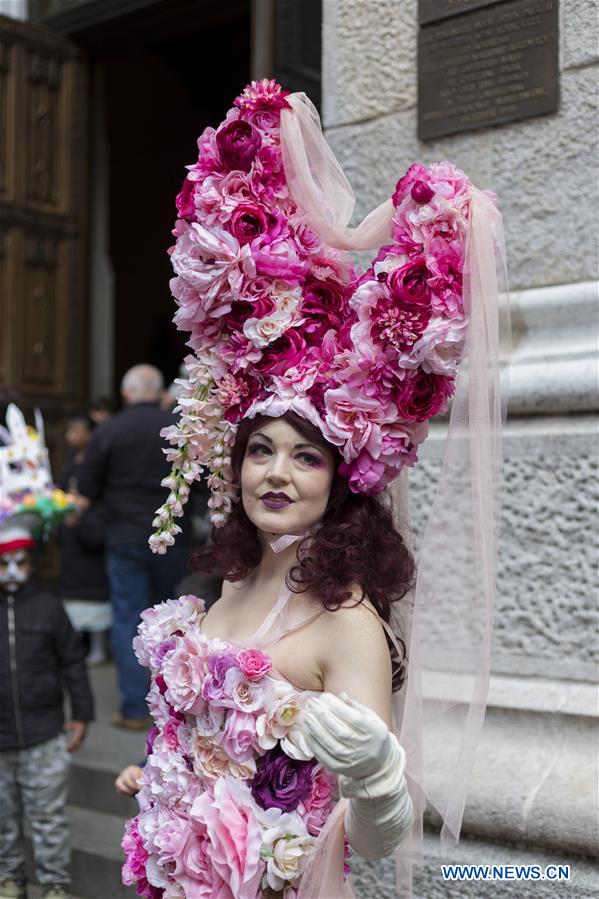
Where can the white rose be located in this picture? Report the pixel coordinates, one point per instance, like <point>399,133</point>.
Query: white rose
<point>262,331</point>
<point>287,860</point>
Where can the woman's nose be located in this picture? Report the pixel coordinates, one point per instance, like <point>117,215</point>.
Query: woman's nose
<point>279,469</point>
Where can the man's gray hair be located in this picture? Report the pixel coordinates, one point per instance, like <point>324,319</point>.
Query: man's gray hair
<point>142,384</point>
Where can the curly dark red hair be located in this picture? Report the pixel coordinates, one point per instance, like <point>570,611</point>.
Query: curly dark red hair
<point>356,545</point>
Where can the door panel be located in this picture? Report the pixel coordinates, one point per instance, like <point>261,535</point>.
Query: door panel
<point>43,279</point>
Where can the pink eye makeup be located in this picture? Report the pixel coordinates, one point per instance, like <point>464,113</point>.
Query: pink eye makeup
<point>311,459</point>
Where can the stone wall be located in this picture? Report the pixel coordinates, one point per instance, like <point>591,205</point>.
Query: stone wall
<point>533,795</point>
<point>543,169</point>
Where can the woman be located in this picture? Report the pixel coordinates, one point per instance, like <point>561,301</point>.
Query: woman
<point>310,391</point>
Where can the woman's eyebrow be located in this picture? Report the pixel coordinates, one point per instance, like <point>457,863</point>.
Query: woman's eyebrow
<point>311,446</point>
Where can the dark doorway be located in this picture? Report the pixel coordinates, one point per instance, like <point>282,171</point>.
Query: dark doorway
<point>159,98</point>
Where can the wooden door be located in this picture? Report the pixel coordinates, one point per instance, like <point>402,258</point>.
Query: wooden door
<point>43,278</point>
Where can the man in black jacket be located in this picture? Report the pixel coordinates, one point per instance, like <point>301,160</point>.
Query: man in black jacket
<point>40,654</point>
<point>124,465</point>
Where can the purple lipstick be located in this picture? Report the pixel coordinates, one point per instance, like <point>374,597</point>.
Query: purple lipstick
<point>276,500</point>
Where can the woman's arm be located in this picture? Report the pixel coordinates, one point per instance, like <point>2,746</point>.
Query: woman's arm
<point>354,658</point>
<point>351,737</point>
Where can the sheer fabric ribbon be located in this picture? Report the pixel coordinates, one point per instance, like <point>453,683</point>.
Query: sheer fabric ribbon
<point>319,186</point>
<point>449,623</point>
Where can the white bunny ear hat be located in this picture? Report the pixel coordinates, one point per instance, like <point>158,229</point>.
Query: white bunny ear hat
<point>26,488</point>
<point>24,465</point>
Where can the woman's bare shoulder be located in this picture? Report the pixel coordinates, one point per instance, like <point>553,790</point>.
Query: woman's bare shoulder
<point>355,619</point>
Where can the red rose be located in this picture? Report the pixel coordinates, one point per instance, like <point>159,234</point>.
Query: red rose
<point>409,283</point>
<point>247,222</point>
<point>423,395</point>
<point>324,307</point>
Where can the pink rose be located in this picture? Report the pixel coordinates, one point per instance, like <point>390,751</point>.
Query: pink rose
<point>184,672</point>
<point>238,738</point>
<point>241,693</point>
<point>321,792</point>
<point>194,869</point>
<point>233,836</point>
<point>238,142</point>
<point>253,663</point>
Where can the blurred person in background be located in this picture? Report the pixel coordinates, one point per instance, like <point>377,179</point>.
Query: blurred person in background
<point>101,410</point>
<point>83,580</point>
<point>124,466</point>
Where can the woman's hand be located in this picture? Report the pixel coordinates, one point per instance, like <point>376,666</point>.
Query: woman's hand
<point>345,736</point>
<point>126,783</point>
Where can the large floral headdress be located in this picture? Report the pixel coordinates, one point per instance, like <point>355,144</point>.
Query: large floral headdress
<point>281,320</point>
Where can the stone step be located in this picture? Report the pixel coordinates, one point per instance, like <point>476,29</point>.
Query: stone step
<point>97,856</point>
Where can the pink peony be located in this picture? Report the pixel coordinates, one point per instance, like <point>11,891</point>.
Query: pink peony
<point>364,473</point>
<point>253,663</point>
<point>353,420</point>
<point>278,257</point>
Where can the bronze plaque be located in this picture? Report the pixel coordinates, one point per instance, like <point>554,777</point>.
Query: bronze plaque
<point>488,66</point>
<point>433,10</point>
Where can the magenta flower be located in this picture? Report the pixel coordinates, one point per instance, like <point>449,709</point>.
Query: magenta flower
<point>423,395</point>
<point>238,142</point>
<point>184,201</point>
<point>247,222</point>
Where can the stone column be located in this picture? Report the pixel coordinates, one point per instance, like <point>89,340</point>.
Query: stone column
<point>534,794</point>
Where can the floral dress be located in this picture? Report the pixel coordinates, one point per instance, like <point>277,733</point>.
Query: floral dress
<point>233,805</point>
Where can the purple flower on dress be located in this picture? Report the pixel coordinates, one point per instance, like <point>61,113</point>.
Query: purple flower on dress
<point>218,665</point>
<point>281,782</point>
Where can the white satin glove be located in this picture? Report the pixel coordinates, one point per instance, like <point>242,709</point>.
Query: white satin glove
<point>350,740</point>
